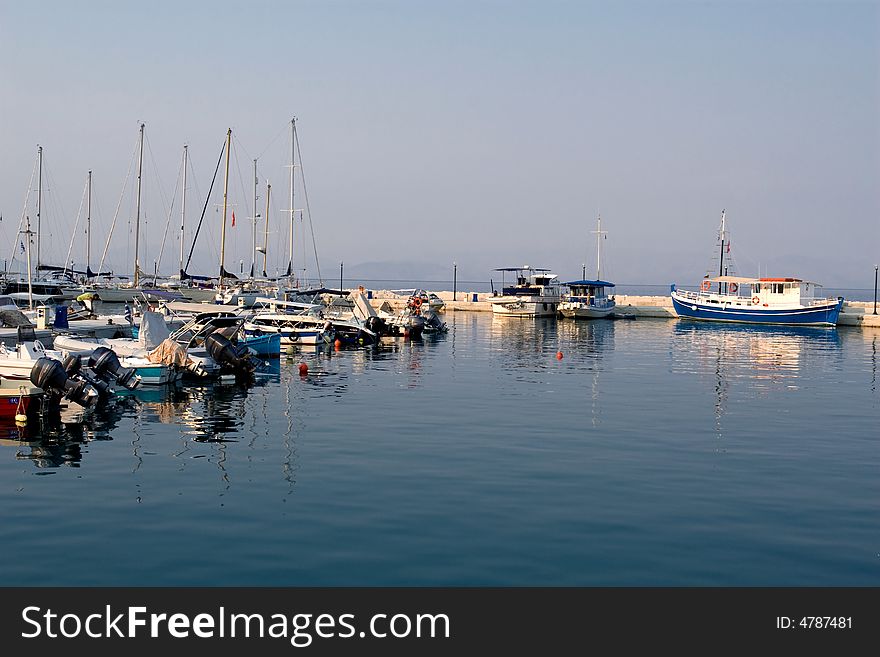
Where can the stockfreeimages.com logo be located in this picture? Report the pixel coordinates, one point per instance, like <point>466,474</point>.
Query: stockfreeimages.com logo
<point>300,629</point>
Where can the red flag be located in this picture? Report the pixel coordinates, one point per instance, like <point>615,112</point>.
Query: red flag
<point>233,217</point>
<point>233,223</point>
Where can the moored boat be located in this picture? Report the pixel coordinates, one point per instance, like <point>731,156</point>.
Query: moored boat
<point>762,300</point>
<point>587,300</point>
<point>766,301</point>
<point>535,294</point>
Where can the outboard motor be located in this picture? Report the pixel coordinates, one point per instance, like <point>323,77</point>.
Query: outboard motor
<point>106,365</point>
<point>222,350</point>
<point>377,325</point>
<point>72,365</point>
<point>49,374</point>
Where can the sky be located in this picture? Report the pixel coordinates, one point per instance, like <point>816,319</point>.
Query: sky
<point>485,134</point>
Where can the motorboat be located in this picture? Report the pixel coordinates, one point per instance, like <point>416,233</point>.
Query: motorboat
<point>587,300</point>
<point>536,293</point>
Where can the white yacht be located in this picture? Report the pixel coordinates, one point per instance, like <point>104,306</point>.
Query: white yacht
<point>535,294</point>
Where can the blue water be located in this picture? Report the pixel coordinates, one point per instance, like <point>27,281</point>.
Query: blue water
<point>655,452</point>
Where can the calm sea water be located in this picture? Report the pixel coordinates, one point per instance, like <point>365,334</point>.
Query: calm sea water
<point>654,453</point>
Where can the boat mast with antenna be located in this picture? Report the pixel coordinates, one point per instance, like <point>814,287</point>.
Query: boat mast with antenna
<point>721,259</point>
<point>254,226</point>
<point>39,206</point>
<point>266,229</point>
<point>137,221</point>
<point>89,228</point>
<point>183,206</point>
<point>599,233</point>
<point>27,233</point>
<point>225,203</point>
<point>291,210</point>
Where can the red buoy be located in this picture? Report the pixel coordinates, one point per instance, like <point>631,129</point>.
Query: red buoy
<point>558,355</point>
<point>303,369</point>
<point>338,344</point>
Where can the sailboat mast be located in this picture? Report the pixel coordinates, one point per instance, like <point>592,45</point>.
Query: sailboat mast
<point>292,165</point>
<point>28,234</point>
<point>39,204</point>
<point>89,228</point>
<point>599,232</point>
<point>137,221</point>
<point>183,208</point>
<point>254,235</point>
<point>721,260</point>
<point>266,229</point>
<point>225,195</point>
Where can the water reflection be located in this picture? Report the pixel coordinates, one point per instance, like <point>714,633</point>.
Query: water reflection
<point>588,343</point>
<point>525,345</point>
<point>57,439</point>
<point>763,357</point>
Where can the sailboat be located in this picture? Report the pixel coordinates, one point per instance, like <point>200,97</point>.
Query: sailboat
<point>587,299</point>
<point>727,298</point>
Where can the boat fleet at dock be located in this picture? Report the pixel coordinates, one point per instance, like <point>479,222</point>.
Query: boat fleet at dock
<point>721,298</point>
<point>174,340</point>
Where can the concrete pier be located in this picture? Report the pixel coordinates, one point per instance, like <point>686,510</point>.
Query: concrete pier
<point>854,313</point>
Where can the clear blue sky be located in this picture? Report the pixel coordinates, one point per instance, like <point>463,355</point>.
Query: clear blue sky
<point>486,133</point>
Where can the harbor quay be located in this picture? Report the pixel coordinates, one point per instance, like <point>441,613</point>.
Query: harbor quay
<point>854,313</point>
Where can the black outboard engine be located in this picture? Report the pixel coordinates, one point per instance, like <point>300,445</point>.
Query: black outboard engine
<point>236,357</point>
<point>106,365</point>
<point>72,365</point>
<point>49,374</point>
<point>376,325</point>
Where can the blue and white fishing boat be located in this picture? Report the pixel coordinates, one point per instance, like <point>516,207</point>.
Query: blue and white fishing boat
<point>726,298</point>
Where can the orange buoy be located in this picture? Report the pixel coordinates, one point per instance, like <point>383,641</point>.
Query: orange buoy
<point>558,355</point>
<point>303,369</point>
<point>338,343</point>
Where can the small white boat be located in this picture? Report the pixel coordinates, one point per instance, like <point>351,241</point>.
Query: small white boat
<point>535,294</point>
<point>587,300</point>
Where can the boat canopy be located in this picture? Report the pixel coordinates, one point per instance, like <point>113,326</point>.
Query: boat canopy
<point>523,268</point>
<point>742,280</point>
<point>739,280</point>
<point>590,283</point>
<point>198,308</point>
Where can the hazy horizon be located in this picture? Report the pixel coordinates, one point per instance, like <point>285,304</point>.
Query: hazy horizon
<point>488,134</point>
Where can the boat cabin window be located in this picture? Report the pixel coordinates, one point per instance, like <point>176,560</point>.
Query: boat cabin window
<point>756,287</point>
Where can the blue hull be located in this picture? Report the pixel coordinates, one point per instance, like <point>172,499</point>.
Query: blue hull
<point>816,316</point>
<point>265,345</point>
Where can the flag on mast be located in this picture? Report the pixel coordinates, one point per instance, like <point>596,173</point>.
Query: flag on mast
<point>233,218</point>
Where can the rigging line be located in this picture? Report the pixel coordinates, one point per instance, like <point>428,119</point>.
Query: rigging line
<point>302,173</point>
<point>205,209</point>
<point>53,197</point>
<point>118,205</point>
<point>195,182</point>
<point>273,140</point>
<point>82,202</point>
<point>160,186</point>
<point>244,192</point>
<point>27,198</point>
<point>168,222</point>
<point>238,143</point>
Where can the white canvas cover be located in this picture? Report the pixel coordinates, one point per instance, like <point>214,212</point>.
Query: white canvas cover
<point>153,330</point>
